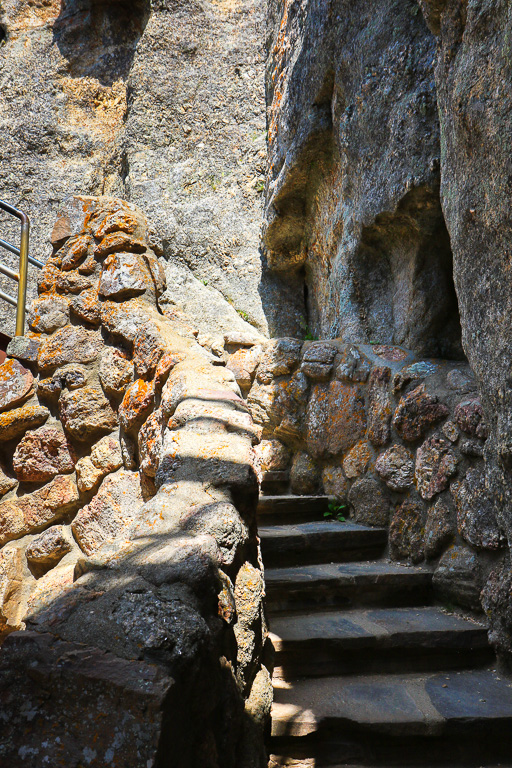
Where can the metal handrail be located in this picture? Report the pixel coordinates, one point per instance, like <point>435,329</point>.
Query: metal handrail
<point>24,259</point>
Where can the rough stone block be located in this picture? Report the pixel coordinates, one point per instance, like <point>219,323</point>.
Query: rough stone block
<point>396,467</point>
<point>406,532</point>
<point>16,422</point>
<point>123,276</point>
<point>370,502</point>
<point>458,578</point>
<point>476,514</point>
<point>416,412</point>
<point>86,413</point>
<point>42,454</point>
<point>71,344</point>
<point>379,406</point>
<point>336,419</point>
<point>50,547</point>
<point>15,384</point>
<point>435,464</point>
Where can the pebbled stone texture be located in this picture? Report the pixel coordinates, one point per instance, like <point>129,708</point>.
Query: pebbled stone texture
<point>42,454</point>
<point>15,384</point>
<point>416,412</point>
<point>396,467</point>
<point>436,462</point>
<point>406,531</point>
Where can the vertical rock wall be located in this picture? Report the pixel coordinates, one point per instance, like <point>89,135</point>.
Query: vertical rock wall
<point>159,103</point>
<point>131,584</point>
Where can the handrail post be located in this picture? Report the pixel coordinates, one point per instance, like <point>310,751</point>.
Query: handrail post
<point>23,276</point>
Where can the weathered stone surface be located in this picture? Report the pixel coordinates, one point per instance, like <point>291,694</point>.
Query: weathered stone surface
<point>89,681</point>
<point>469,416</point>
<point>280,407</point>
<point>87,307</point>
<point>335,483</point>
<point>86,413</point>
<point>71,344</point>
<point>439,529</point>
<point>11,582</point>
<point>47,315</point>
<point>118,241</point>
<point>223,522</point>
<point>124,319</point>
<point>406,531</point>
<point>273,456</point>
<point>33,511</point>
<point>451,431</point>
<point>42,454</point>
<point>50,547</point>
<point>370,502</point>
<point>416,412</point>
<point>318,360</point>
<point>7,482</point>
<point>123,277</point>
<point>461,381</point>
<point>116,371</point>
<point>244,363</point>
<point>87,475</point>
<point>336,419</point>
<point>16,422</point>
<point>353,365</point>
<point>396,467</point>
<point>148,348</point>
<point>106,456</point>
<point>24,348</point>
<point>15,384</point>
<point>413,372</point>
<point>75,250</point>
<point>497,603</point>
<point>304,475</point>
<point>357,460</point>
<point>249,589</point>
<point>280,357</point>
<point>473,448</point>
<point>435,464</point>
<point>379,406</point>
<point>476,514</point>
<point>136,404</point>
<point>111,511</point>
<point>150,443</point>
<point>458,578</point>
<point>69,376</point>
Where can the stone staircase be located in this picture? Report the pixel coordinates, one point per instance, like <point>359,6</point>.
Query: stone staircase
<point>368,671</point>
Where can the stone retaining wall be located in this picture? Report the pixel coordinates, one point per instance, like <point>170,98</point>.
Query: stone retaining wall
<point>398,441</point>
<point>128,546</point>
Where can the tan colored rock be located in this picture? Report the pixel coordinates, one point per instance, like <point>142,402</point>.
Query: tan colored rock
<point>136,404</point>
<point>7,483</point>
<point>164,368</point>
<point>106,454</point>
<point>69,376</point>
<point>34,511</point>
<point>87,475</point>
<point>157,272</point>
<point>151,442</point>
<point>148,349</point>
<point>72,344</point>
<point>244,363</point>
<point>119,241</point>
<point>123,276</point>
<point>124,319</point>
<point>116,371</point>
<point>42,454</point>
<point>75,250</point>
<point>15,384</point>
<point>11,580</point>
<point>121,220</point>
<point>73,282</point>
<point>273,456</point>
<point>16,422</point>
<point>111,511</point>
<point>357,460</point>
<point>50,547</point>
<point>280,357</point>
<point>47,315</point>
<point>87,307</point>
<point>86,413</point>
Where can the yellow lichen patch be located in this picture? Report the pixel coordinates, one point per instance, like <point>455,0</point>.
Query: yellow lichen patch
<point>94,106</point>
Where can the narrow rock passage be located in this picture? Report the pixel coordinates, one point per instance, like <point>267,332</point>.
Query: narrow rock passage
<point>368,670</point>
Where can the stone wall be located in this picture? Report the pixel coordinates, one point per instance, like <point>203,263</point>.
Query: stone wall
<point>158,102</point>
<point>396,440</point>
<point>131,579</point>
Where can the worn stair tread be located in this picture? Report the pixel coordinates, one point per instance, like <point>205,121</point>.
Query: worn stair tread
<point>420,704</point>
<point>292,504</point>
<point>347,529</point>
<point>373,627</point>
<point>320,541</point>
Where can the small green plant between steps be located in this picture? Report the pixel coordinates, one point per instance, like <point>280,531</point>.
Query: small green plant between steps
<point>336,512</point>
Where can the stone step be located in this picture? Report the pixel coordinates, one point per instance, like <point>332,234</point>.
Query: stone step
<point>292,509</point>
<point>275,482</point>
<point>320,542</point>
<point>455,718</point>
<point>375,640</point>
<point>347,584</point>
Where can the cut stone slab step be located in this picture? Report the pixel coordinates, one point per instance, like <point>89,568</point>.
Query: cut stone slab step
<point>347,584</point>
<point>396,718</point>
<point>320,542</point>
<point>374,640</point>
<point>287,508</point>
